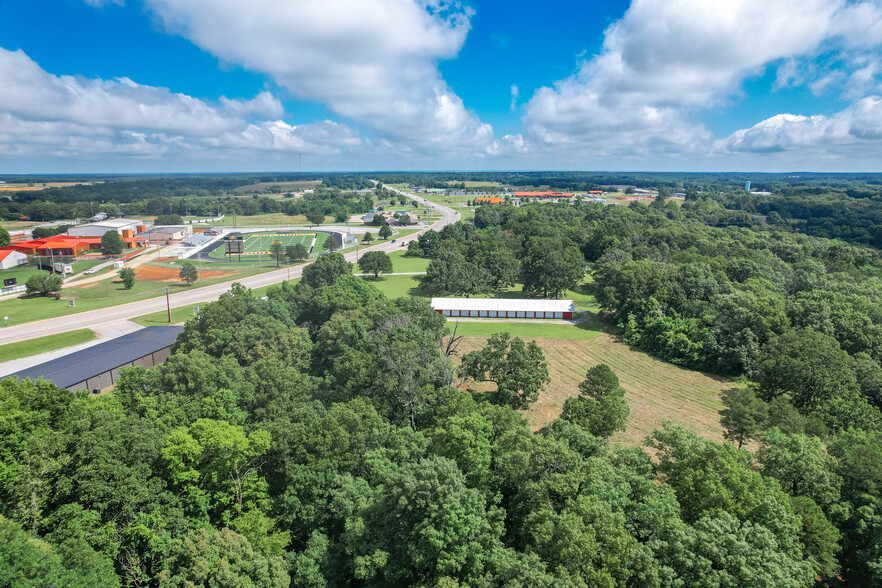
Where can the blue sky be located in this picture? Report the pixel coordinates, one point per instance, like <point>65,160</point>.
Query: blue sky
<point>242,85</point>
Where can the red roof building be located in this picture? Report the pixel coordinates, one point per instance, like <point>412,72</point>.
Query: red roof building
<point>66,245</point>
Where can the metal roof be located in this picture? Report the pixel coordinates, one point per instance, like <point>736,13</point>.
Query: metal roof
<point>87,363</point>
<point>115,223</point>
<point>509,304</point>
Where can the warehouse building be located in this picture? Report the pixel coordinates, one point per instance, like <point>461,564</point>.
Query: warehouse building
<point>168,233</point>
<point>504,308</point>
<point>97,368</point>
<point>124,227</point>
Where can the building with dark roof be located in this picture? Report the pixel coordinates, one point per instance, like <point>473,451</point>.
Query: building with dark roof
<point>96,368</point>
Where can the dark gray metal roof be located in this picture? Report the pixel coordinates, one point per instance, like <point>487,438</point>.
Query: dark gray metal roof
<point>81,365</point>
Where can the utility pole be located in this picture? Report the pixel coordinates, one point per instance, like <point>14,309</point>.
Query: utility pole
<point>168,304</point>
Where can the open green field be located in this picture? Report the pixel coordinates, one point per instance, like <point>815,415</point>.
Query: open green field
<point>656,391</point>
<point>260,220</point>
<point>37,345</point>
<point>178,315</point>
<point>586,329</point>
<point>21,273</point>
<point>395,286</point>
<point>401,264</point>
<point>283,186</point>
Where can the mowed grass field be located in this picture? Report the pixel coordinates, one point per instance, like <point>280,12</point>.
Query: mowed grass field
<point>262,220</point>
<point>283,186</point>
<point>656,391</point>
<point>37,345</point>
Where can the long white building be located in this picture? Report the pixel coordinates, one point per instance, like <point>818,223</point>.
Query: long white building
<point>504,307</point>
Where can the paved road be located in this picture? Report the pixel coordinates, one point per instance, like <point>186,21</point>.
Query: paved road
<point>105,319</point>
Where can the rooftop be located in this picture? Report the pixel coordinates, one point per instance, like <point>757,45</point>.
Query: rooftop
<point>115,223</point>
<point>82,365</point>
<point>503,304</point>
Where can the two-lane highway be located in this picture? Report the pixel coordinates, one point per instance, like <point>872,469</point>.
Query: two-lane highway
<point>102,319</point>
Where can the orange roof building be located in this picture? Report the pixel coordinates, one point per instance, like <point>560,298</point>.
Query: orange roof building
<point>547,194</point>
<point>66,245</point>
<point>490,200</point>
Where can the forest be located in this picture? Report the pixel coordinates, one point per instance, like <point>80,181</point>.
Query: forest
<point>183,195</point>
<point>321,436</point>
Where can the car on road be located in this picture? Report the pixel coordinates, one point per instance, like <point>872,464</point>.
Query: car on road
<point>393,240</point>
<point>90,271</point>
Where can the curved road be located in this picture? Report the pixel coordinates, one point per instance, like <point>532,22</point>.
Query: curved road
<point>104,319</point>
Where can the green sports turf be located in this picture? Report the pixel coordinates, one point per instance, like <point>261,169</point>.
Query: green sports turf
<point>260,243</point>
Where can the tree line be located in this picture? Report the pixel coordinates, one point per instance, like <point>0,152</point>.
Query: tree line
<point>313,438</point>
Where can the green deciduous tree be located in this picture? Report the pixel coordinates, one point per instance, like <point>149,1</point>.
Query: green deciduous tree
<point>5,239</point>
<point>600,407</point>
<point>188,273</point>
<point>296,252</point>
<point>325,270</point>
<point>550,266</point>
<point>216,466</point>
<point>331,244</point>
<point>315,217</point>
<point>450,273</point>
<point>111,244</point>
<point>224,559</point>
<point>367,238</point>
<point>277,250</point>
<point>127,275</point>
<point>385,231</point>
<point>518,369</point>
<point>44,284</point>
<point>426,528</point>
<point>745,415</point>
<point>375,262</point>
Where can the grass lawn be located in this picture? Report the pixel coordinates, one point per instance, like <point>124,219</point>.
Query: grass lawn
<point>407,264</point>
<point>178,315</point>
<point>21,273</point>
<point>398,286</point>
<point>293,186</point>
<point>259,220</point>
<point>656,391</point>
<point>581,331</point>
<point>31,347</point>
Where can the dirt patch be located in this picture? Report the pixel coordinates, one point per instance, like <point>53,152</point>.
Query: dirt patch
<point>656,391</point>
<point>155,273</point>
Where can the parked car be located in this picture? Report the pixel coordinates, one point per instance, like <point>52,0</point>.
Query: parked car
<point>91,270</point>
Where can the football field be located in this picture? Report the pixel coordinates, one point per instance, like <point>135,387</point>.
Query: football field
<point>259,245</point>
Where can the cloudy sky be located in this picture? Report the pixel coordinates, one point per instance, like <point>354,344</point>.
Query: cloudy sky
<point>259,85</point>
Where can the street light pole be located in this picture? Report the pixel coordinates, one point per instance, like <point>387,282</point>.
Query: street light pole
<point>168,304</point>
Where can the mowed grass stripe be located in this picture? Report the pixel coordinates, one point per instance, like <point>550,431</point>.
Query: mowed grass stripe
<point>656,391</point>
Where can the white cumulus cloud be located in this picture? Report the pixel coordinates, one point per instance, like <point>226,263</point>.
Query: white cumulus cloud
<point>374,61</point>
<point>666,61</point>
<point>72,116</point>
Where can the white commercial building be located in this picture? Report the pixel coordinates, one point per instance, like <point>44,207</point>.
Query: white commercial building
<point>10,258</point>
<point>123,227</point>
<point>504,307</point>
